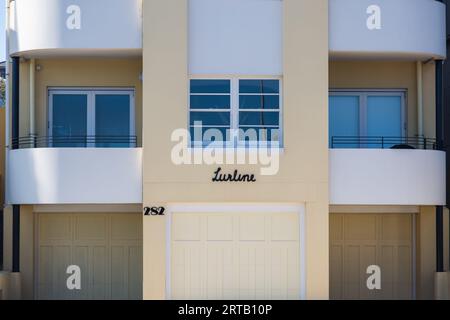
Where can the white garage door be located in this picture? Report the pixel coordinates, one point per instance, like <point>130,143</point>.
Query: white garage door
<point>252,255</point>
<point>106,247</point>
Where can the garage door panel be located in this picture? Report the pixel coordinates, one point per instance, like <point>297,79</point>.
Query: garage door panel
<point>45,276</point>
<point>126,227</point>
<point>336,271</point>
<point>110,268</point>
<point>234,256</point>
<point>219,228</point>
<point>61,259</point>
<point>90,227</point>
<point>135,277</point>
<point>252,227</point>
<point>396,227</point>
<point>336,227</point>
<point>53,227</point>
<point>99,277</point>
<point>284,227</point>
<point>360,227</point>
<point>81,258</point>
<point>186,227</point>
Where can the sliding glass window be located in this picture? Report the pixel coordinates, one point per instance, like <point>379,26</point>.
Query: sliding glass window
<point>91,118</point>
<point>366,119</point>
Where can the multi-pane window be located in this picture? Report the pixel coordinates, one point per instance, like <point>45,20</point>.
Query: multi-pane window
<point>210,107</point>
<point>259,108</point>
<point>91,118</point>
<point>361,119</point>
<point>242,110</point>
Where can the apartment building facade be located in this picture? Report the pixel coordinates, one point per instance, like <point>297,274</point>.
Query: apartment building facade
<point>344,94</point>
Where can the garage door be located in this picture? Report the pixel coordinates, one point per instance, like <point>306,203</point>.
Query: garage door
<point>106,247</point>
<point>360,240</point>
<point>235,256</point>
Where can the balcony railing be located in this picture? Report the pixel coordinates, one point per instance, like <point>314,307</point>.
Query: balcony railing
<point>384,142</point>
<point>74,142</point>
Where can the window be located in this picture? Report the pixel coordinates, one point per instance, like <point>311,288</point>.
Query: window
<point>241,111</point>
<point>362,119</point>
<point>91,118</point>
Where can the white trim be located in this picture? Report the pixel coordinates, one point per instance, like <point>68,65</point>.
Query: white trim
<point>238,208</point>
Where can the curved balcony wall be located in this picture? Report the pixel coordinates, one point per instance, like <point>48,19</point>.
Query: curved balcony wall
<point>387,177</point>
<point>76,27</point>
<point>75,176</point>
<point>409,29</point>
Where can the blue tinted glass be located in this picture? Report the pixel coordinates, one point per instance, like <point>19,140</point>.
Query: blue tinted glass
<point>259,86</point>
<point>259,118</point>
<point>384,117</point>
<point>259,102</point>
<point>112,120</point>
<point>209,134</point>
<point>262,134</point>
<point>69,120</point>
<point>210,86</point>
<point>210,102</point>
<point>344,119</point>
<point>210,118</point>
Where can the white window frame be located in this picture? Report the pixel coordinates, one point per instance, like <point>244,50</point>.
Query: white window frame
<point>363,95</point>
<point>91,93</point>
<point>234,111</point>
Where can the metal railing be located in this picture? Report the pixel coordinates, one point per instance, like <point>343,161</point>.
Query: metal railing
<point>74,142</point>
<point>381,142</point>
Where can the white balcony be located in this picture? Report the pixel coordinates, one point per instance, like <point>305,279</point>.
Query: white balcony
<point>75,176</point>
<point>387,177</point>
<point>400,29</point>
<point>76,27</point>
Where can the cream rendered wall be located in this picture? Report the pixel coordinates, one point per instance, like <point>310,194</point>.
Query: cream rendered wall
<point>303,175</point>
<point>365,74</point>
<point>80,72</point>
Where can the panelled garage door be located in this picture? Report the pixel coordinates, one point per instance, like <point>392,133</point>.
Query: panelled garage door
<point>106,247</point>
<point>235,256</point>
<point>360,240</point>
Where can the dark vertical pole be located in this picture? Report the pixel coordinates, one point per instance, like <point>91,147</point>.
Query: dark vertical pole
<point>16,239</point>
<point>439,139</point>
<point>1,239</point>
<point>15,94</point>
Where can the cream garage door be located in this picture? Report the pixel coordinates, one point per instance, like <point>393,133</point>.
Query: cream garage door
<point>106,247</point>
<point>235,256</point>
<point>360,240</point>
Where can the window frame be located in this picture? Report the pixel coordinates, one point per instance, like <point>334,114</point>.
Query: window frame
<point>91,93</point>
<point>234,112</point>
<point>363,95</point>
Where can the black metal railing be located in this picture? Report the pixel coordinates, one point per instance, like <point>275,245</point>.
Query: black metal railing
<point>74,142</point>
<point>380,142</point>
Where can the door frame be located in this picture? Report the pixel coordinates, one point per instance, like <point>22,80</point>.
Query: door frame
<point>237,208</point>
